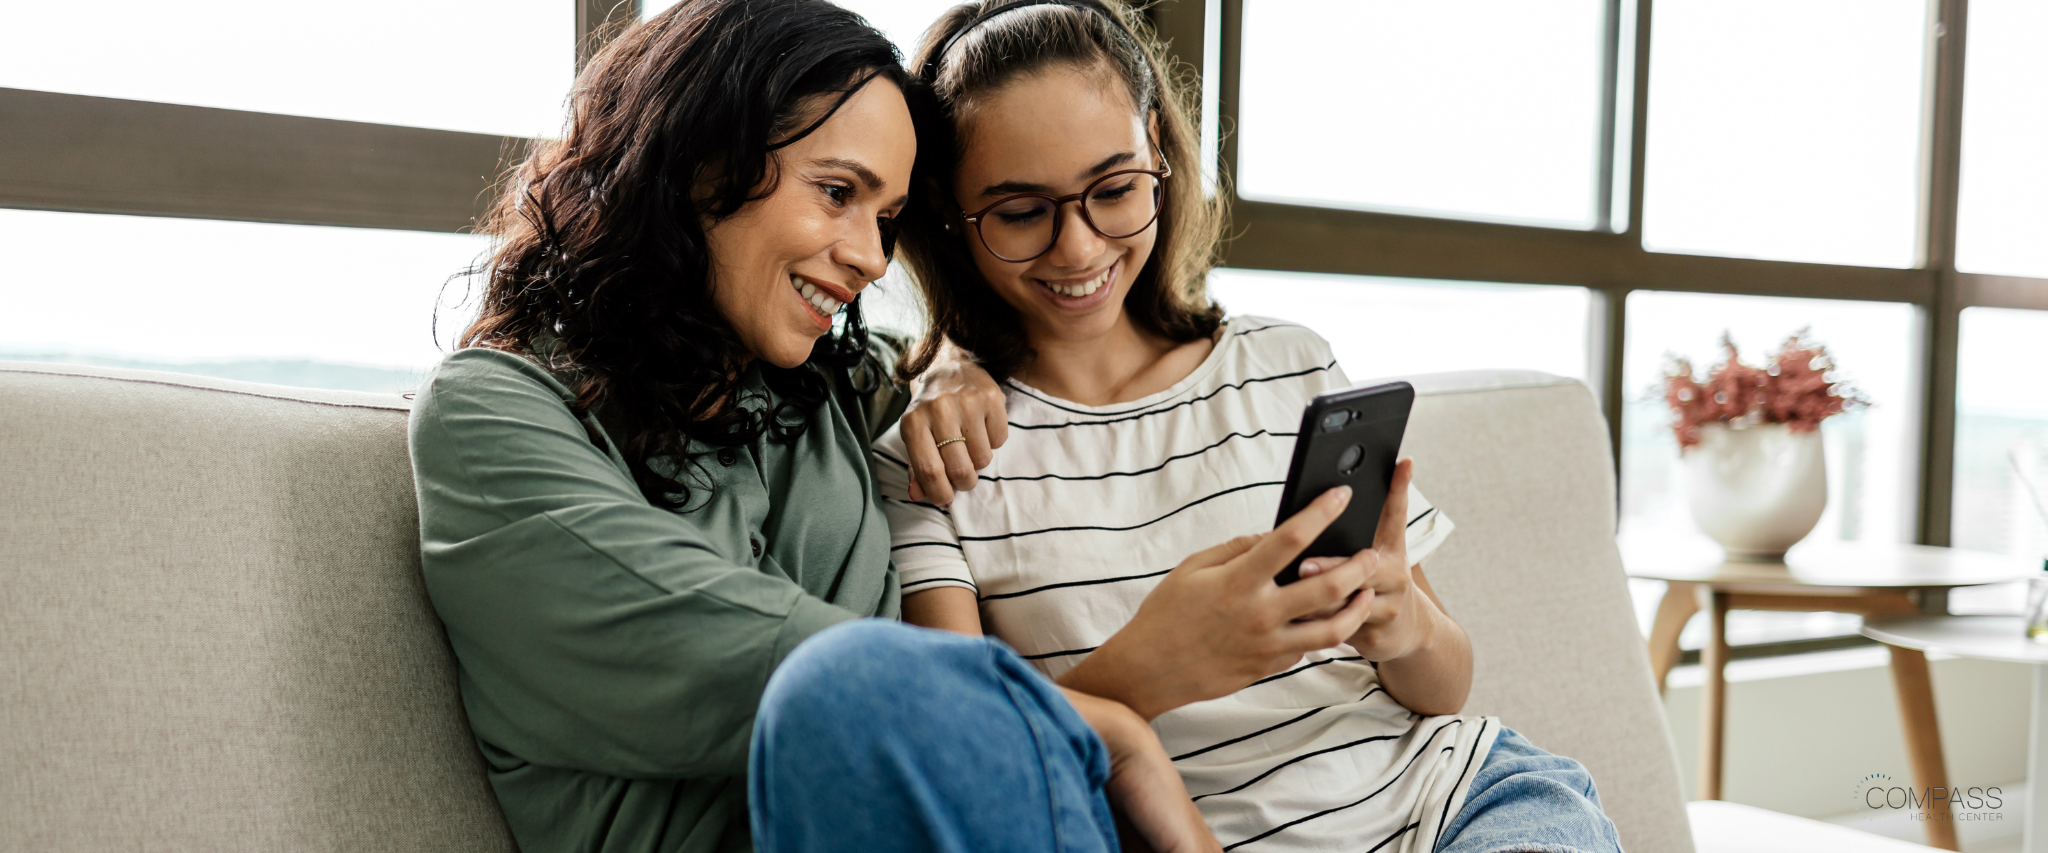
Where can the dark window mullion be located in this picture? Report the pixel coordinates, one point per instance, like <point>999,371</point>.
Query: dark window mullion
<point>1944,166</point>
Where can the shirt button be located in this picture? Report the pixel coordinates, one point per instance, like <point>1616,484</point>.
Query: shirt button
<point>728,457</point>
<point>756,543</point>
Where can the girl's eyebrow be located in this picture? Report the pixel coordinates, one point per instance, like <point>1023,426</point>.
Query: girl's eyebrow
<point>866,175</point>
<point>1014,187</point>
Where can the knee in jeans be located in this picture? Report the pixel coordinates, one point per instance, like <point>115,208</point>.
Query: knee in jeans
<point>1545,776</point>
<point>859,670</point>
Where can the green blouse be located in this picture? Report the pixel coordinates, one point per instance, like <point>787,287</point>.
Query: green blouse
<point>611,653</point>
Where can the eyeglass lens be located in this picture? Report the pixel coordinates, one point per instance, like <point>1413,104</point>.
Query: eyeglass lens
<point>1118,206</point>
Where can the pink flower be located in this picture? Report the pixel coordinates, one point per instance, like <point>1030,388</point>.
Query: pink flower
<point>1796,389</point>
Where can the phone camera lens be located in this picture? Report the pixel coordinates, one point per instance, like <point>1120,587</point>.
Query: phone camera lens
<point>1348,462</point>
<point>1336,420</point>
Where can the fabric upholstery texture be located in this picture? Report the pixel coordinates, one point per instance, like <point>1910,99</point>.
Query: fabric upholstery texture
<point>1522,461</point>
<point>213,632</point>
<point>214,636</point>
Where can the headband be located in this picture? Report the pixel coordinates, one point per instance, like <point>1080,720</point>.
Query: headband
<point>930,71</point>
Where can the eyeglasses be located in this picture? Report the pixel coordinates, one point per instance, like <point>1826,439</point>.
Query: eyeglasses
<point>1022,227</point>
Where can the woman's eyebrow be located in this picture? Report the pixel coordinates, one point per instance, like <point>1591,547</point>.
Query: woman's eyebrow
<point>1014,187</point>
<point>866,175</point>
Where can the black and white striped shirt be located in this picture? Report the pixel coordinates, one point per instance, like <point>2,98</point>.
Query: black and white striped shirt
<point>1087,507</point>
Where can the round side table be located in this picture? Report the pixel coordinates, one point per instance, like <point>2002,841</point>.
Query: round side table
<point>1990,638</point>
<point>1868,579</point>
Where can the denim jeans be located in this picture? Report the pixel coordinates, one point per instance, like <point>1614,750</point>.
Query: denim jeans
<point>1529,801</point>
<point>879,737</point>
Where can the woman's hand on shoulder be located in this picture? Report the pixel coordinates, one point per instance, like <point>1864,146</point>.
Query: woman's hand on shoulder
<point>958,404</point>
<point>1218,622</point>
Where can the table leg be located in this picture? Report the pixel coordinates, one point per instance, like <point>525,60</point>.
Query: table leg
<point>1713,698</point>
<point>2035,836</point>
<point>1923,741</point>
<point>1681,601</point>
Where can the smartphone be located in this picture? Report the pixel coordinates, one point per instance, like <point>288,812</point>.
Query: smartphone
<point>1348,438</point>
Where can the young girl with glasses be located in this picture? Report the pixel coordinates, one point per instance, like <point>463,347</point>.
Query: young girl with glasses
<point>1063,237</point>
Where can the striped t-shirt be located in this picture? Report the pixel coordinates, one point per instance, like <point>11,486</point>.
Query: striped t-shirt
<point>1087,507</point>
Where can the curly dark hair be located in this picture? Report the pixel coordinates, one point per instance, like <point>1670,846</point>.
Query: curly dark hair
<point>1169,297</point>
<point>600,269</point>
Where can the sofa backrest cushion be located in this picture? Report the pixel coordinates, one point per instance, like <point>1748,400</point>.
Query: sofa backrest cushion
<point>1521,462</point>
<point>214,635</point>
<point>213,631</point>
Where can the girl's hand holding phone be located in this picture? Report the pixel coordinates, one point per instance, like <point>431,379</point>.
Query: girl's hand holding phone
<point>1399,620</point>
<point>1425,657</point>
<point>1218,622</point>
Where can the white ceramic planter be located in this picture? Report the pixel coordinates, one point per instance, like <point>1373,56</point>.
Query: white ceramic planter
<point>1756,490</point>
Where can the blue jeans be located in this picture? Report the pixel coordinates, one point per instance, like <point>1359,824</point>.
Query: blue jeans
<point>1529,801</point>
<point>876,736</point>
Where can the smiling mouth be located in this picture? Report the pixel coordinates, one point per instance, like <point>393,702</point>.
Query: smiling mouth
<point>1087,287</point>
<point>819,300</point>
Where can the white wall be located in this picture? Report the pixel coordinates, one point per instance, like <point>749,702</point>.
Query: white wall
<point>1800,743</point>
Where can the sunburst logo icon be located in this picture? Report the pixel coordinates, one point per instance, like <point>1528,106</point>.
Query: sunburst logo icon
<point>1874,780</point>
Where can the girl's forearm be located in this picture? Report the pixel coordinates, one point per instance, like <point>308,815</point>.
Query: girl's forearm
<point>1436,678</point>
<point>1143,783</point>
<point>948,608</point>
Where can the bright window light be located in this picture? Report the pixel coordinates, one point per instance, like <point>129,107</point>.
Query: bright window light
<point>1786,130</point>
<point>2001,430</point>
<point>1470,109</point>
<point>2002,225</point>
<point>1871,453</point>
<point>1396,327</point>
<point>346,308</point>
<point>903,21</point>
<point>486,66</point>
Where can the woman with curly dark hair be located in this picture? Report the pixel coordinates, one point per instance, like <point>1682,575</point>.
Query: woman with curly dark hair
<point>646,501</point>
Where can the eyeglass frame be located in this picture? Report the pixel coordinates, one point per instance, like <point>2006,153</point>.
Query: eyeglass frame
<point>1164,171</point>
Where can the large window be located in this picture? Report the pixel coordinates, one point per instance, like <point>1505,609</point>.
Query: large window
<point>1477,109</point>
<point>1787,129</point>
<point>1392,327</point>
<point>486,66</point>
<point>1577,186</point>
<point>2001,490</point>
<point>2003,220</point>
<point>285,304</point>
<point>1870,452</point>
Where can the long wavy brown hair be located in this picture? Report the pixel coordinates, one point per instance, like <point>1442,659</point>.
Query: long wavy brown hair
<point>1170,296</point>
<point>601,271</point>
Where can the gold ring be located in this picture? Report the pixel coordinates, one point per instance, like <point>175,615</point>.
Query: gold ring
<point>951,440</point>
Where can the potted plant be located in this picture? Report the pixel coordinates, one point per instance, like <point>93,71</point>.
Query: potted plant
<point>1750,436</point>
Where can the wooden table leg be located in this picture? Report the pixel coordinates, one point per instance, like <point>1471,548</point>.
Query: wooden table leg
<point>1713,698</point>
<point>1681,601</point>
<point>1923,741</point>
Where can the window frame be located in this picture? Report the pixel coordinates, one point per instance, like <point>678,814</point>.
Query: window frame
<point>86,154</point>
<point>1613,263</point>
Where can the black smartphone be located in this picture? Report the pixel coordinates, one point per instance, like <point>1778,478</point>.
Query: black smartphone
<point>1348,438</point>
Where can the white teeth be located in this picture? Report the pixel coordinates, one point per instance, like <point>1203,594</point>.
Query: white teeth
<point>1084,288</point>
<point>826,305</point>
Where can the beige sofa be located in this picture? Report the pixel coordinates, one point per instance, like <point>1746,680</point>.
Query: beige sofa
<point>214,636</point>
